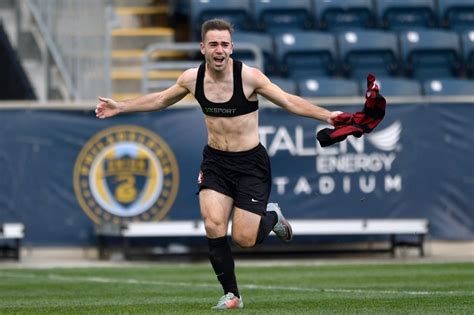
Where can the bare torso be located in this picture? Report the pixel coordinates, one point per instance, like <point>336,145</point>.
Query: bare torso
<point>231,134</point>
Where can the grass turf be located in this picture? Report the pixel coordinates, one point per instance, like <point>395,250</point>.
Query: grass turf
<point>427,288</point>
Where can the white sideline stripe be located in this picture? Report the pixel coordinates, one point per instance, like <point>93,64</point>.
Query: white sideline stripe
<point>300,227</point>
<point>248,286</point>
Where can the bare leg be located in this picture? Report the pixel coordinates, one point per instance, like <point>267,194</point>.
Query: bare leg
<point>215,210</point>
<point>245,226</point>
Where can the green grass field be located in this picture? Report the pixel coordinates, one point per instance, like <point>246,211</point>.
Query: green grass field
<point>425,288</point>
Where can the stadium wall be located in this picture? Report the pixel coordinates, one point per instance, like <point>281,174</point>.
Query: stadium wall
<point>62,170</point>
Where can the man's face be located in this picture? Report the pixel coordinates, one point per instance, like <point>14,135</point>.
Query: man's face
<point>217,48</point>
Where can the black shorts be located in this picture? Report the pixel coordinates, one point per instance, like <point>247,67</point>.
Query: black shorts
<point>244,176</point>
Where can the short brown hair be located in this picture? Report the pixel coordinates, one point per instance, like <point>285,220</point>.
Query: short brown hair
<point>216,24</point>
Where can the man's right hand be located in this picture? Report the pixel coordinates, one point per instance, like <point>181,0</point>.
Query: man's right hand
<point>332,117</point>
<point>106,108</point>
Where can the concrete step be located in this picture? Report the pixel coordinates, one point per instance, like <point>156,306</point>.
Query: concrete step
<point>35,71</point>
<point>130,80</point>
<point>133,3</point>
<point>140,38</point>
<point>137,74</point>
<point>145,16</point>
<point>143,31</point>
<point>126,96</point>
<point>133,57</point>
<point>145,10</point>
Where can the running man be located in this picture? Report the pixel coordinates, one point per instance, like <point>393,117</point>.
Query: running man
<point>235,175</point>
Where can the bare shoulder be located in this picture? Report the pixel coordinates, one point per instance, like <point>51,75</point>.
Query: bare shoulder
<point>260,84</point>
<point>254,77</point>
<point>188,79</point>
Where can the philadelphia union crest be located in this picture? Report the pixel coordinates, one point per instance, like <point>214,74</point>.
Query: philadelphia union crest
<point>126,173</point>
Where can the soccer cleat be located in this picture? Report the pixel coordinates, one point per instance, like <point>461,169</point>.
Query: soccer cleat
<point>229,301</point>
<point>282,228</point>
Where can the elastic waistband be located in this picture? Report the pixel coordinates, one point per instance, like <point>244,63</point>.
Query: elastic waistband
<point>230,153</point>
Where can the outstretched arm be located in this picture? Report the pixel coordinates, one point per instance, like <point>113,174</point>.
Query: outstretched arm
<point>290,102</point>
<point>150,102</point>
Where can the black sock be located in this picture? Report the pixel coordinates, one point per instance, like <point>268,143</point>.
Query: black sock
<point>267,222</point>
<point>222,261</point>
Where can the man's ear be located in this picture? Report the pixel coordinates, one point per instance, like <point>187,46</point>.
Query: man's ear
<point>201,46</point>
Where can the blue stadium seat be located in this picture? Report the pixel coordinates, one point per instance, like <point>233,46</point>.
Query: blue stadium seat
<point>448,87</point>
<point>263,41</point>
<point>301,54</point>
<point>343,14</point>
<point>323,87</point>
<point>390,86</point>
<point>399,14</point>
<point>456,14</point>
<point>365,51</point>
<point>430,53</point>
<point>287,85</point>
<point>238,12</point>
<point>281,15</point>
<point>467,39</point>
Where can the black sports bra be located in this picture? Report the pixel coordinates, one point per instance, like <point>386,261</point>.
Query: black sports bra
<point>238,103</point>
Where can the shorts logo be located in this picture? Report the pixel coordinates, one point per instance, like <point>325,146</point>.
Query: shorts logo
<point>200,177</point>
<point>126,173</point>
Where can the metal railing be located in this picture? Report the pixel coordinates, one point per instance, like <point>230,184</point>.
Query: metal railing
<point>150,64</point>
<point>77,36</point>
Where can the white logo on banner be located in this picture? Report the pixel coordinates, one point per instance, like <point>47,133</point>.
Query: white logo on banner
<point>363,170</point>
<point>386,139</point>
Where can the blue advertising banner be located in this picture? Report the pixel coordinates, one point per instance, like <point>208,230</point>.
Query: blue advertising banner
<point>64,171</point>
<point>417,163</point>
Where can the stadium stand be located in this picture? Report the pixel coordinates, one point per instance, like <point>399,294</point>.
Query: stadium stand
<point>324,87</point>
<point>264,41</point>
<point>235,11</point>
<point>390,86</point>
<point>448,87</point>
<point>152,24</point>
<point>282,15</point>
<point>301,54</point>
<point>343,14</point>
<point>430,53</point>
<point>399,14</point>
<point>364,51</point>
<point>262,22</point>
<point>287,85</point>
<point>11,233</point>
<point>467,39</point>
<point>152,80</point>
<point>456,14</point>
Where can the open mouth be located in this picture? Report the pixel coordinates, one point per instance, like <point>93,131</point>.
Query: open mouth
<point>219,60</point>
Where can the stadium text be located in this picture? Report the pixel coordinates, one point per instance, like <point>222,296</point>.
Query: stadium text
<point>327,184</point>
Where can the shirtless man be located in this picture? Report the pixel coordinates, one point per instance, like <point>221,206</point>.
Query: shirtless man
<point>235,175</point>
